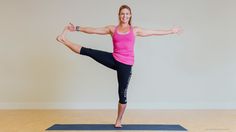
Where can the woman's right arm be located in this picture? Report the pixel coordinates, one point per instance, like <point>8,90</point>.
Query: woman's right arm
<point>90,30</point>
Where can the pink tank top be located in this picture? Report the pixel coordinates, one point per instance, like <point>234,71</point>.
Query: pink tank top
<point>123,46</point>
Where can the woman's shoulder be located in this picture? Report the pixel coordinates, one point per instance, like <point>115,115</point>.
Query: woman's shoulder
<point>136,28</point>
<point>111,28</point>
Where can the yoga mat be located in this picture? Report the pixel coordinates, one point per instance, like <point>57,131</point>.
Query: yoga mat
<point>98,127</point>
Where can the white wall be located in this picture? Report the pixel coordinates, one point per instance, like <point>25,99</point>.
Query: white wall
<point>195,70</point>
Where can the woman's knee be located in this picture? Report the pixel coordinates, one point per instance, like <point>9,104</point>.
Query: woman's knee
<point>123,96</point>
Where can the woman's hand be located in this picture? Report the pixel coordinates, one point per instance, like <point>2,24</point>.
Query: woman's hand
<point>71,27</point>
<point>177,30</point>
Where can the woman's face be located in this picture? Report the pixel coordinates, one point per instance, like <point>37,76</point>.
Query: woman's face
<point>124,16</point>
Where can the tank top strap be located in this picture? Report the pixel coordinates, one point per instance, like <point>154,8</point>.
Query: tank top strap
<point>131,28</point>
<point>116,28</point>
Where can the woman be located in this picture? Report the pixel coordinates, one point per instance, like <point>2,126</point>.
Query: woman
<point>122,58</point>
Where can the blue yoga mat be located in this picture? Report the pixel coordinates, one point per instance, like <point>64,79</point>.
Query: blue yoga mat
<point>97,127</point>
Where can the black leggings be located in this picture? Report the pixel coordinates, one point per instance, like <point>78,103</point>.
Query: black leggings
<point>123,70</point>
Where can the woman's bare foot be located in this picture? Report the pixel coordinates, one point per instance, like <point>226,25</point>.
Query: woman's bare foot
<point>65,31</point>
<point>61,38</point>
<point>118,124</point>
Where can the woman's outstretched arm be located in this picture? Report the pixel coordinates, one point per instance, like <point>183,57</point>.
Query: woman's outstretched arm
<point>146,32</point>
<point>90,30</point>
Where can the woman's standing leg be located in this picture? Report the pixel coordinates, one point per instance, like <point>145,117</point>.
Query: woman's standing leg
<point>123,75</point>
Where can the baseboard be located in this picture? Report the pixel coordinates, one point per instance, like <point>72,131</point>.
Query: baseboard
<point>56,105</point>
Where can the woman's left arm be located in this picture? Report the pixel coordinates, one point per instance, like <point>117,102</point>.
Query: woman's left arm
<point>146,32</point>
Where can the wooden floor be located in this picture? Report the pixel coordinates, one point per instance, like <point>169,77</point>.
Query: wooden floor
<point>193,120</point>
